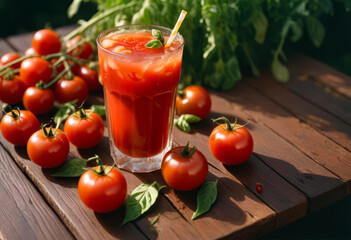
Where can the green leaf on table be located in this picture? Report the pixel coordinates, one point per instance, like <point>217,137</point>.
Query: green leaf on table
<point>99,109</point>
<point>280,72</point>
<point>315,30</point>
<point>140,200</point>
<point>190,118</point>
<point>73,8</point>
<point>64,111</point>
<point>206,196</point>
<point>183,122</point>
<point>296,31</point>
<point>72,168</point>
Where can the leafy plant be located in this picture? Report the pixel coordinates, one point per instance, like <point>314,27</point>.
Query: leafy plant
<point>223,37</point>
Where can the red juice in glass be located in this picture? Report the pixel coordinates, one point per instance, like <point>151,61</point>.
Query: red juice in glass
<point>140,87</point>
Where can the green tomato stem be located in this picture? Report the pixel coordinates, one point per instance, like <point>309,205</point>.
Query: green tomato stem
<point>2,68</point>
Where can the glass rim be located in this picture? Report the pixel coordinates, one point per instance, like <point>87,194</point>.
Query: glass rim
<point>138,25</point>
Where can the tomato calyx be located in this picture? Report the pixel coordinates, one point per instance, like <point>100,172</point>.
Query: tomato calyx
<point>180,93</point>
<point>12,113</point>
<point>228,125</point>
<point>82,114</point>
<point>49,133</point>
<point>102,170</point>
<point>186,153</point>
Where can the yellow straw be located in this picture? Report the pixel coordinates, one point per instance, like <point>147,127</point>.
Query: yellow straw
<point>176,28</point>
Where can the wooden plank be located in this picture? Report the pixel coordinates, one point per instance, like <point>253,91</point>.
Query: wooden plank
<point>323,97</point>
<point>280,196</point>
<point>288,203</point>
<point>319,148</point>
<point>286,160</point>
<point>246,216</point>
<point>170,220</point>
<point>24,213</point>
<point>325,123</point>
<point>24,41</point>
<point>62,195</point>
<point>303,67</point>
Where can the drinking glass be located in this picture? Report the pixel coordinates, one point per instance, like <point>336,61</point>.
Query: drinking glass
<point>140,88</point>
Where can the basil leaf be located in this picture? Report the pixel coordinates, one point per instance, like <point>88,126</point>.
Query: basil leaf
<point>315,30</point>
<point>64,111</point>
<point>296,31</point>
<point>206,196</point>
<point>191,118</point>
<point>182,125</point>
<point>99,109</point>
<point>72,168</point>
<point>280,72</point>
<point>158,34</point>
<point>140,200</point>
<point>154,43</point>
<point>260,23</point>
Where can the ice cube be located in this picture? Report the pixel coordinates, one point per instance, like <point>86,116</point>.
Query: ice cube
<point>107,43</point>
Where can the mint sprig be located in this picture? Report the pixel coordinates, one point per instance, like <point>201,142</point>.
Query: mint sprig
<point>158,42</point>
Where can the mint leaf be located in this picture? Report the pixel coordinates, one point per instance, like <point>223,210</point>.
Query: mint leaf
<point>154,43</point>
<point>140,200</point>
<point>72,168</point>
<point>206,196</point>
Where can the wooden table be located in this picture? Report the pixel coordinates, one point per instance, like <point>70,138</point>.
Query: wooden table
<point>301,157</point>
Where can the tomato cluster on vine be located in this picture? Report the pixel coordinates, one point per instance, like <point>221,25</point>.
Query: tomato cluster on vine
<point>51,70</point>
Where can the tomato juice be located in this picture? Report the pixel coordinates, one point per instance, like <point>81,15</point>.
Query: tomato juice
<point>140,86</point>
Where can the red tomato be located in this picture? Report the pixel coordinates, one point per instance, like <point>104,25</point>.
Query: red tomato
<point>38,101</point>
<point>9,57</point>
<point>11,91</point>
<point>69,90</point>
<point>184,170</point>
<point>17,126</point>
<point>45,42</point>
<point>35,69</point>
<point>90,77</point>
<point>30,51</point>
<point>84,51</point>
<point>84,129</point>
<point>231,143</point>
<point>102,193</point>
<point>196,101</point>
<point>48,150</point>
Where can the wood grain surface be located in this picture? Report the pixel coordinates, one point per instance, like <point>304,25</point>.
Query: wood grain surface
<point>301,158</point>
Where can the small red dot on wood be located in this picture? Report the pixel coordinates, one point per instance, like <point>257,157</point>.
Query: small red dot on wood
<point>258,187</point>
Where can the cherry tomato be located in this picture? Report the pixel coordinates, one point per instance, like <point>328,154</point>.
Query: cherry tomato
<point>38,101</point>
<point>100,192</point>
<point>84,51</point>
<point>194,100</point>
<point>11,91</point>
<point>29,51</point>
<point>45,42</point>
<point>17,126</point>
<point>84,129</point>
<point>35,69</point>
<point>9,57</point>
<point>231,143</point>
<point>90,77</point>
<point>184,169</point>
<point>69,90</point>
<point>48,149</point>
